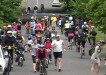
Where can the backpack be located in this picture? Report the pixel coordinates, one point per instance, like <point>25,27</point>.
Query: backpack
<point>38,27</point>
<point>94,33</point>
<point>47,45</point>
<point>70,34</point>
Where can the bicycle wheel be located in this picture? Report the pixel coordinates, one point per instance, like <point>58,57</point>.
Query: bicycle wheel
<point>21,62</point>
<point>45,71</point>
<point>81,52</point>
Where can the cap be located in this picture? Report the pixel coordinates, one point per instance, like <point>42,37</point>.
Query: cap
<point>57,35</point>
<point>9,31</point>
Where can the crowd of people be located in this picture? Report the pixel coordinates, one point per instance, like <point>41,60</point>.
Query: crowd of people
<point>44,40</point>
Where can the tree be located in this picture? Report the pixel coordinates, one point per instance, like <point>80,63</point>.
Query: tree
<point>91,9</point>
<point>9,10</point>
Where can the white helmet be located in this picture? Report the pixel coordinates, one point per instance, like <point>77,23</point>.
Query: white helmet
<point>32,17</point>
<point>85,23</point>
<point>9,32</point>
<point>9,26</point>
<point>70,18</point>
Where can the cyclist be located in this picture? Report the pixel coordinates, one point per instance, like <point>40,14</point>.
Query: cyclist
<point>70,37</point>
<point>39,37</point>
<point>48,46</point>
<point>9,40</point>
<point>67,27</point>
<point>20,48</point>
<point>42,54</point>
<point>20,38</point>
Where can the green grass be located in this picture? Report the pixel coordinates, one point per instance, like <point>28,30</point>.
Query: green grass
<point>100,36</point>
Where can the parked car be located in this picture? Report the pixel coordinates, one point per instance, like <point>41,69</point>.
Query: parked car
<point>3,62</point>
<point>56,3</point>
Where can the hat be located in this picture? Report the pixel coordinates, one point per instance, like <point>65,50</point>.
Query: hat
<point>9,32</point>
<point>9,26</point>
<point>57,35</point>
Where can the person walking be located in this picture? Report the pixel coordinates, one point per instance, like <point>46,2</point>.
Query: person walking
<point>33,50</point>
<point>57,45</point>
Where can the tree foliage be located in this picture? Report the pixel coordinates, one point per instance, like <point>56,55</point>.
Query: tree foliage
<point>91,9</point>
<point>9,10</point>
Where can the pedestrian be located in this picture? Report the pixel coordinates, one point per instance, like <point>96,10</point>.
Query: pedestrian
<point>33,50</point>
<point>42,8</point>
<point>28,10</point>
<point>57,46</point>
<point>95,59</point>
<point>35,9</point>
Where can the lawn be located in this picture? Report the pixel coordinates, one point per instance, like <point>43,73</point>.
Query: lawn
<point>100,36</point>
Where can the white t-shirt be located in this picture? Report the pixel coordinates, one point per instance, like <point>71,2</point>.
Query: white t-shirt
<point>34,49</point>
<point>59,22</point>
<point>58,45</point>
<point>30,42</point>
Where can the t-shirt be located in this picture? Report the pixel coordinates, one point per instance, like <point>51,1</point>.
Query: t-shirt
<point>32,23</point>
<point>30,42</point>
<point>34,49</point>
<point>58,45</point>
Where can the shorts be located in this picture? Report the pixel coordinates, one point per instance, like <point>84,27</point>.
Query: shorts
<point>33,59</point>
<point>57,55</point>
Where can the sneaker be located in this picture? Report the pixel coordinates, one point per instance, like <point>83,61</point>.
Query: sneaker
<point>59,70</point>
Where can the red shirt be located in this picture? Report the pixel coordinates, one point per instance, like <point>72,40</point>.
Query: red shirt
<point>42,54</point>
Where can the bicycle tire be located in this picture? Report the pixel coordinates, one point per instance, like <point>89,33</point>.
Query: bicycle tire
<point>21,62</point>
<point>81,52</point>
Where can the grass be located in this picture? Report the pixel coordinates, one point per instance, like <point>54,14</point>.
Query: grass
<point>100,36</point>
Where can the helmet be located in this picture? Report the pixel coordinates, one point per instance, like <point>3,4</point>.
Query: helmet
<point>9,26</point>
<point>9,32</point>
<point>32,17</point>
<point>70,18</point>
<point>85,23</point>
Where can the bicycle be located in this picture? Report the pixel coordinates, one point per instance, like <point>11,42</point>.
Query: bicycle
<point>81,52</point>
<point>20,57</point>
<point>42,67</point>
<point>71,44</point>
<point>9,48</point>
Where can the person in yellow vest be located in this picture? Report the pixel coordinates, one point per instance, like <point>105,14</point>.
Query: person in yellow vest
<point>53,21</point>
<point>67,27</point>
